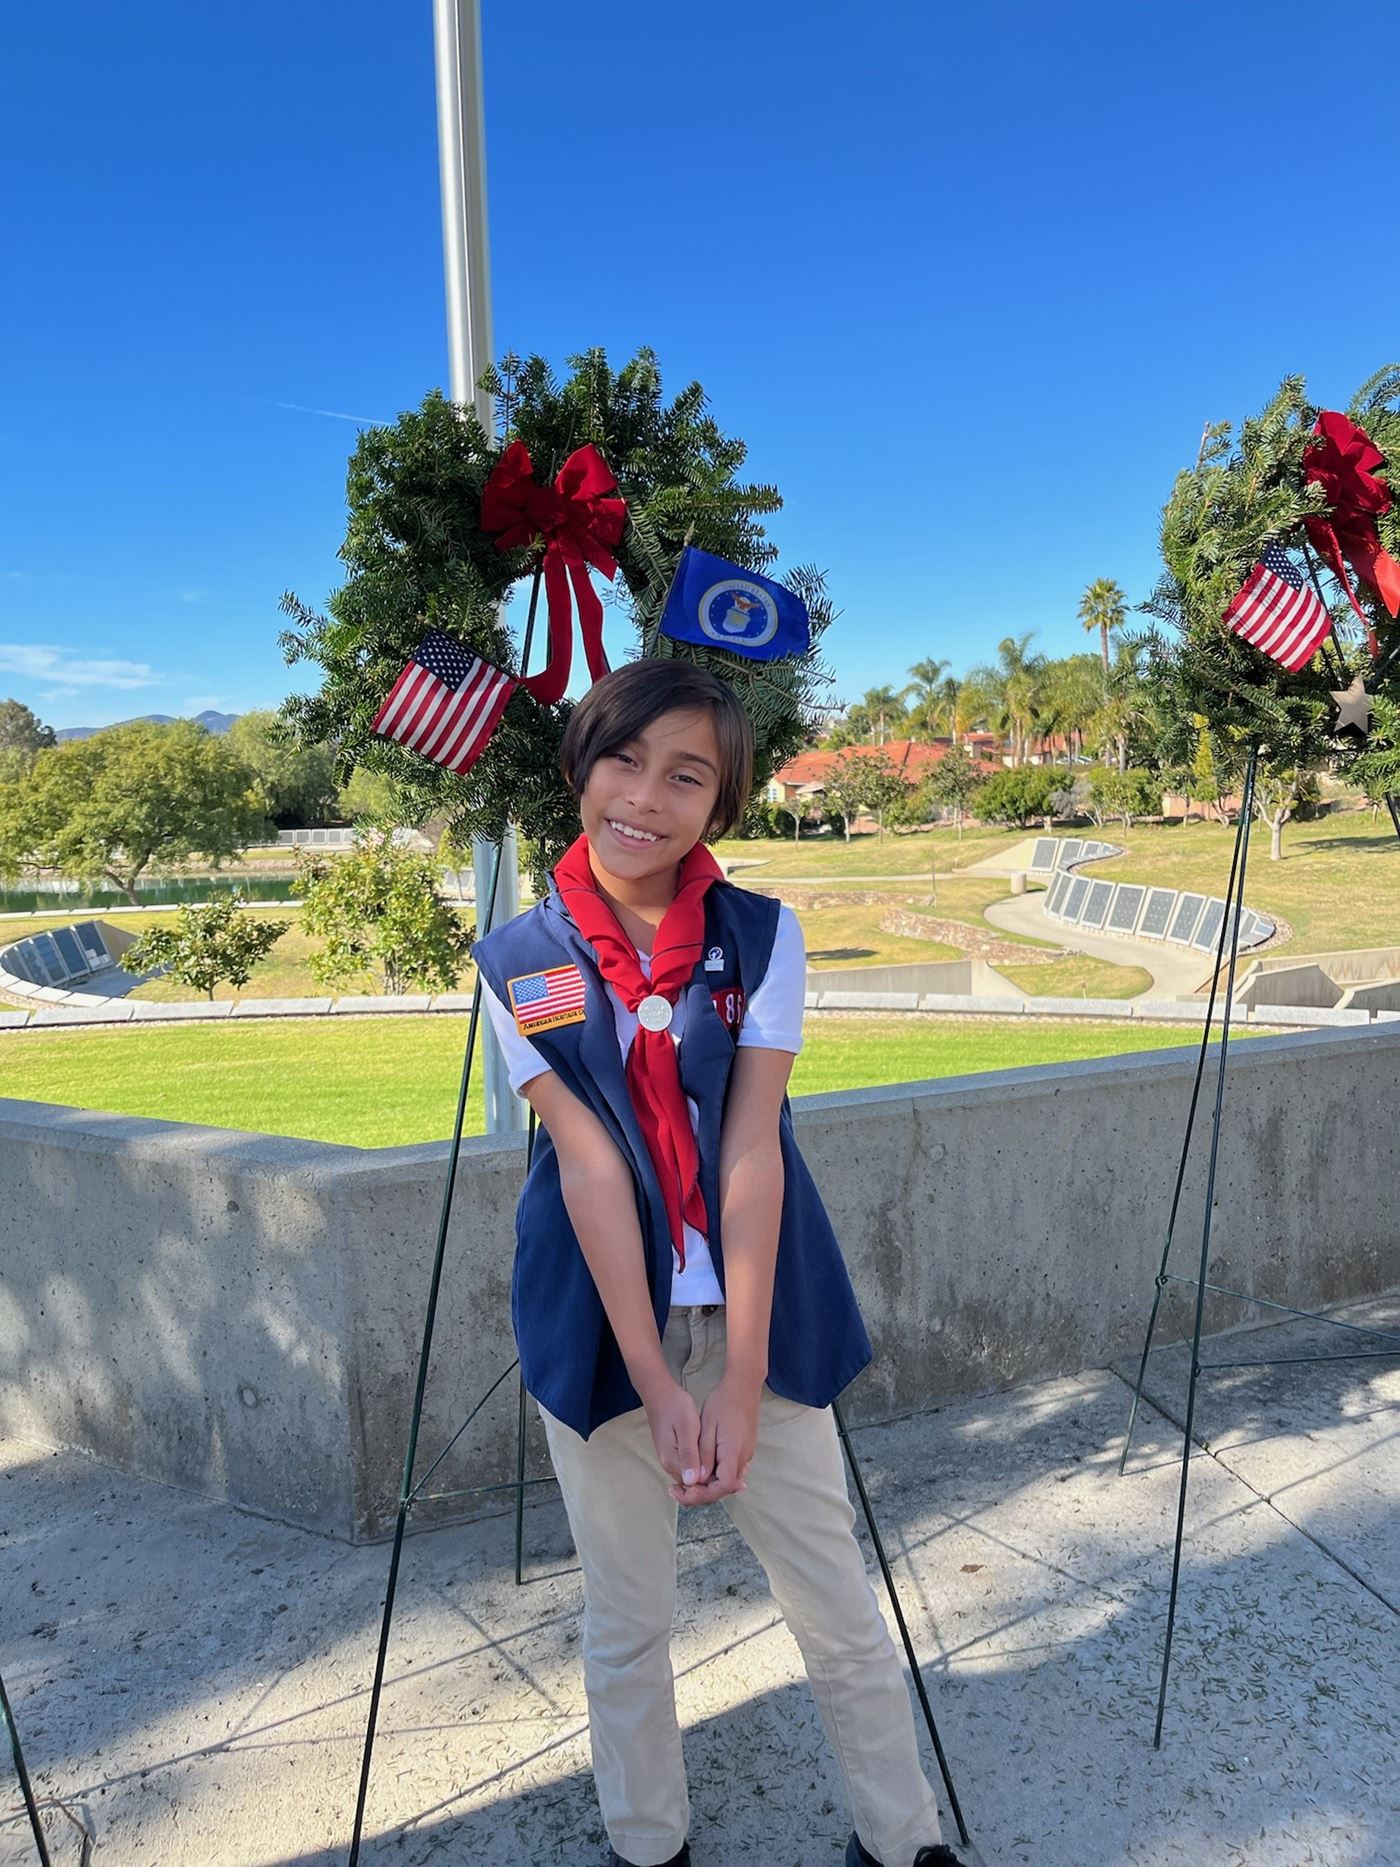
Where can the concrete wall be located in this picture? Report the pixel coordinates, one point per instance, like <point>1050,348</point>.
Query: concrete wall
<point>1351,967</point>
<point>240,1315</point>
<point>938,975</point>
<point>1379,995</point>
<point>1304,984</point>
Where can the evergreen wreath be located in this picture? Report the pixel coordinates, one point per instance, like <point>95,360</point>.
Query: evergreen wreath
<point>417,558</point>
<point>1245,491</point>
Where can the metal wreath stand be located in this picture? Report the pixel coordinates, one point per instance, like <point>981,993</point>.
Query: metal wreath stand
<point>1229,936</point>
<point>8,1717</point>
<point>411,1493</point>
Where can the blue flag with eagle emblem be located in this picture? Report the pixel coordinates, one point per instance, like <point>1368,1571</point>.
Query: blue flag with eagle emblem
<point>716,605</point>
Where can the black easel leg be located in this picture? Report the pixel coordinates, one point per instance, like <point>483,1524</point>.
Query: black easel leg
<point>25,1790</point>
<point>1234,908</point>
<point>1241,832</point>
<point>1392,804</point>
<point>406,1487</point>
<point>520,1417</point>
<point>896,1604</point>
<point>520,1487</point>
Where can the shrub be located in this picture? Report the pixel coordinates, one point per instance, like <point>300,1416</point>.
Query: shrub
<point>211,942</point>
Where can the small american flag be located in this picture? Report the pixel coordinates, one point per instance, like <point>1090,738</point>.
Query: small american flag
<point>1273,610</point>
<point>445,704</point>
<point>542,999</point>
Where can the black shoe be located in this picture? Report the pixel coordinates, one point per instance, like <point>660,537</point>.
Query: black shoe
<point>677,1860</point>
<point>940,1856</point>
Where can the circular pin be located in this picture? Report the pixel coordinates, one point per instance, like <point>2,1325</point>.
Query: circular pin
<point>654,1013</point>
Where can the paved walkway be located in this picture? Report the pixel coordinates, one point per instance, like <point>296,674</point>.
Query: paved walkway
<point>1175,974</point>
<point>191,1681</point>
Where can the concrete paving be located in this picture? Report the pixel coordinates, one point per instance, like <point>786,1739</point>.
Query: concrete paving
<point>1175,974</point>
<point>190,1681</point>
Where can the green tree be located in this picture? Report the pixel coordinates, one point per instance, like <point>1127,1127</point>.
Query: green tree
<point>841,790</point>
<point>21,730</point>
<point>797,810</point>
<point>1014,691</point>
<point>1377,770</point>
<point>927,680</point>
<point>959,706</point>
<point>369,797</point>
<point>879,786</point>
<point>1125,795</point>
<point>1019,796</point>
<point>953,783</point>
<point>209,942</point>
<point>1071,694</point>
<point>1205,784</point>
<point>109,807</point>
<point>1280,793</point>
<point>295,782</point>
<point>878,714</point>
<point>1102,609</point>
<point>379,905</point>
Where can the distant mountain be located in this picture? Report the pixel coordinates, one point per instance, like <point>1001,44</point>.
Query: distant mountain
<point>211,721</point>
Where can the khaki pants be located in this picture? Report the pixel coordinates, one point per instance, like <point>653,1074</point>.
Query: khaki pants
<point>797,1519</point>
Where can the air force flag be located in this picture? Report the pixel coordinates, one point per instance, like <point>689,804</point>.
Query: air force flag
<point>717,605</point>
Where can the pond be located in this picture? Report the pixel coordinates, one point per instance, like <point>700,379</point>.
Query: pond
<point>37,898</point>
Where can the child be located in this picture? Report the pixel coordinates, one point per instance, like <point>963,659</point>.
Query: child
<point>682,1310</point>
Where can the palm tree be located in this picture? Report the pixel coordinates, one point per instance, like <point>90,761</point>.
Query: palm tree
<point>1013,690</point>
<point>926,679</point>
<point>1124,706</point>
<point>959,706</point>
<point>1073,694</point>
<point>1103,607</point>
<point>881,705</point>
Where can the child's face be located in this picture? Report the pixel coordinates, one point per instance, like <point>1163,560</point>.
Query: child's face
<point>664,785</point>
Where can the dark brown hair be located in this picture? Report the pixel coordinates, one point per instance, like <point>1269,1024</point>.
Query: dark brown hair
<point>620,707</point>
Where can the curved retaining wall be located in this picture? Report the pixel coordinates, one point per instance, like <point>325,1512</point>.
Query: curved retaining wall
<point>1136,911</point>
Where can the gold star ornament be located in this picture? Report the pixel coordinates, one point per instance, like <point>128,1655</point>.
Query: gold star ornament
<point>1353,706</point>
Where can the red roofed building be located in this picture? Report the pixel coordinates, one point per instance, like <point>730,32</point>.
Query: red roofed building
<point>803,776</point>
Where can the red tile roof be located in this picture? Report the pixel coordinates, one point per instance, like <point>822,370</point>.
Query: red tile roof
<point>912,757</point>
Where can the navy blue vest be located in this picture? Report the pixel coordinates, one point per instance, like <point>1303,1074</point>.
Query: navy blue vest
<point>568,1355</point>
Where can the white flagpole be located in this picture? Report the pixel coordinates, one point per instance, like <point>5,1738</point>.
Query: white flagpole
<point>467,271</point>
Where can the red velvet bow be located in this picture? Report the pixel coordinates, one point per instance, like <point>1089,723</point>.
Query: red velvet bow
<point>580,526</point>
<point>1342,460</point>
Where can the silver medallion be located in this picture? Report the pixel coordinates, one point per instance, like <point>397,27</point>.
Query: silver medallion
<point>654,1013</point>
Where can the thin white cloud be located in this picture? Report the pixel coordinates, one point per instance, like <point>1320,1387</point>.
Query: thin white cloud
<point>204,703</point>
<point>38,662</point>
<point>333,414</point>
<point>193,596</point>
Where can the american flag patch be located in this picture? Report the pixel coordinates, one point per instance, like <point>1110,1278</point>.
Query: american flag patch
<point>543,1000</point>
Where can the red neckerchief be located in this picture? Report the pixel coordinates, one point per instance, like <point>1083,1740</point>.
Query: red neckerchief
<point>653,1071</point>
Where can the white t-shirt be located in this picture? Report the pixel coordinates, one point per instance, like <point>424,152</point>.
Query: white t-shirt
<point>772,1021</point>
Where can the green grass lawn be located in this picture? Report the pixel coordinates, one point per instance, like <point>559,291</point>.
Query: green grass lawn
<point>383,1082</point>
<point>1078,975</point>
<point>868,853</point>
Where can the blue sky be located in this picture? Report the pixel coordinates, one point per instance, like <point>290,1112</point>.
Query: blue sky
<point>968,283</point>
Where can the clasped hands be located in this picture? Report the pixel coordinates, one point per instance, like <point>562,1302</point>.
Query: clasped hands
<point>705,1451</point>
